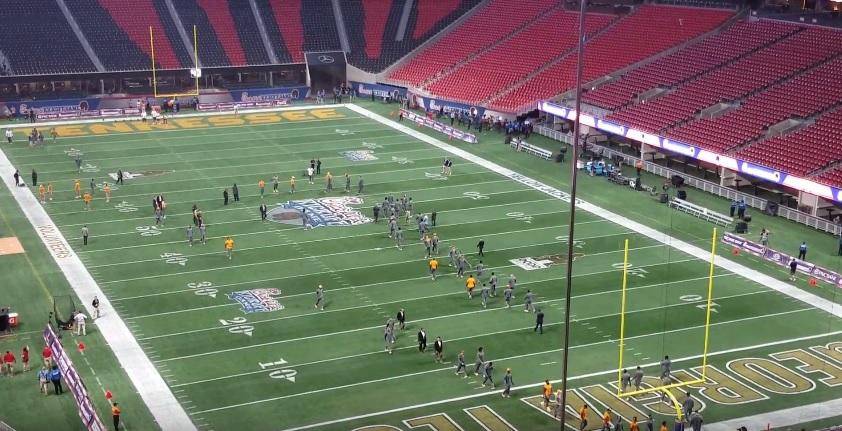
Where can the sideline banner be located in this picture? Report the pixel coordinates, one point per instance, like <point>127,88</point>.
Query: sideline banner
<point>430,104</point>
<point>440,127</point>
<point>378,90</point>
<point>782,259</point>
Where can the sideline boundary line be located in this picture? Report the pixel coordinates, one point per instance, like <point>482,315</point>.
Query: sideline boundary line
<point>720,261</point>
<point>150,386</point>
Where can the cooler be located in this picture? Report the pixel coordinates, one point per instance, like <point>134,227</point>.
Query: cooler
<point>13,320</point>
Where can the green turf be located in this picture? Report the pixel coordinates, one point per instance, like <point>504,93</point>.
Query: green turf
<point>210,352</point>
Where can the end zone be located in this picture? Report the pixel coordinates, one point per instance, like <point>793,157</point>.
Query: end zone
<point>10,245</point>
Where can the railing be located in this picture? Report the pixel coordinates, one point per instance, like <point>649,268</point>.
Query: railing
<point>707,186</point>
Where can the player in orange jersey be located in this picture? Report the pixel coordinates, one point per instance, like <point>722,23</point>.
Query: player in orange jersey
<point>262,185</point>
<point>229,246</point>
<point>434,265</point>
<point>470,284</point>
<point>78,187</point>
<point>107,190</point>
<point>87,201</point>
<point>547,392</point>
<point>50,190</point>
<point>41,192</point>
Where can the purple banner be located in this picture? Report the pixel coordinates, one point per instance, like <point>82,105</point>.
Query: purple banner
<point>440,127</point>
<point>783,259</point>
<point>65,115</point>
<point>71,378</point>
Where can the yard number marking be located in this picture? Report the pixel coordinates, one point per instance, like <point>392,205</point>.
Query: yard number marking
<point>148,230</point>
<point>435,177</point>
<point>630,270</point>
<point>344,132</point>
<point>576,243</point>
<point>703,303</point>
<point>371,145</point>
<point>90,168</point>
<point>74,152</point>
<point>285,374</point>
<point>174,258</point>
<point>519,216</point>
<point>125,207</point>
<point>487,419</point>
<point>236,326</point>
<point>475,196</point>
<point>203,288</point>
<point>402,160</point>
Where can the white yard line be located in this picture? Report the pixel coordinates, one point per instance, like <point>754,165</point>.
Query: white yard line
<point>498,360</point>
<point>720,261</point>
<point>286,277</point>
<point>420,298</point>
<point>236,234</point>
<point>380,352</point>
<point>781,419</point>
<point>151,387</point>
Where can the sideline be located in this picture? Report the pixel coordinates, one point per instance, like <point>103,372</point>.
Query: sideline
<point>720,261</point>
<point>151,387</point>
<point>782,418</point>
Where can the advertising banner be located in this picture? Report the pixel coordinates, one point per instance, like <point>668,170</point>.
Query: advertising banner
<point>782,259</point>
<point>378,90</point>
<point>440,127</point>
<point>430,104</point>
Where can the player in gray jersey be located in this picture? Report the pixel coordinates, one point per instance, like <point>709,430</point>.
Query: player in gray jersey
<point>688,404</point>
<point>393,227</point>
<point>202,231</point>
<point>347,183</point>
<point>665,366</point>
<point>508,297</point>
<point>480,361</point>
<point>460,364</point>
<point>158,216</point>
<point>625,380</point>
<point>408,210</point>
<point>434,241</point>
<point>665,395</point>
<point>527,302</point>
<point>484,295</point>
<point>320,296</point>
<point>638,377</point>
<point>389,338</point>
<point>488,371</point>
<point>460,266</point>
<point>480,268</point>
<point>453,255</point>
<point>390,199</point>
<point>399,238</point>
<point>619,425</point>
<point>190,235</point>
<point>385,207</point>
<point>493,282</point>
<point>512,282</point>
<point>422,228</point>
<point>390,324</point>
<point>508,382</point>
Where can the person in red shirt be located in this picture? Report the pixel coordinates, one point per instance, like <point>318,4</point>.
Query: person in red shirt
<point>47,353</point>
<point>24,358</point>
<point>9,363</point>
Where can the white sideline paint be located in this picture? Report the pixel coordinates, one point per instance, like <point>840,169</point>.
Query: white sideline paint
<point>781,418</point>
<point>155,393</point>
<point>756,276</point>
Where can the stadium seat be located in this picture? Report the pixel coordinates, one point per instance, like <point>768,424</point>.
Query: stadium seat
<point>216,47</point>
<point>372,27</point>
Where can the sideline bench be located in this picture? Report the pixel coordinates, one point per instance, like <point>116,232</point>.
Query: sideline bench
<point>521,145</point>
<point>702,212</point>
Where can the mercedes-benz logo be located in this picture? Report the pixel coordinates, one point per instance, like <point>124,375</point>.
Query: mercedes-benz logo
<point>325,59</point>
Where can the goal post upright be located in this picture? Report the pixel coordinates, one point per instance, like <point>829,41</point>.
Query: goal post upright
<point>196,66</point>
<point>622,342</point>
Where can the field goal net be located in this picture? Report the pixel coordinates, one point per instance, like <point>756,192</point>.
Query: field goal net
<point>63,309</point>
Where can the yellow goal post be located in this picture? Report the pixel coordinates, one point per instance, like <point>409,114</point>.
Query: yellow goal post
<point>665,388</point>
<point>195,71</point>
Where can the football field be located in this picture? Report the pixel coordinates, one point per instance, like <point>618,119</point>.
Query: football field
<point>241,345</point>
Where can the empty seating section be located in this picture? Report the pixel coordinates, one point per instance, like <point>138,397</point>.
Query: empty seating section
<point>212,52</point>
<point>241,28</point>
<point>430,13</point>
<point>373,30</point>
<point>822,86</point>
<point>831,178</point>
<point>220,19</point>
<point>282,20</point>
<point>808,149</point>
<point>319,24</point>
<point>645,32</point>
<point>741,38</point>
<point>471,37</point>
<point>113,46</point>
<point>27,25</point>
<point>135,18</point>
<point>183,51</point>
<point>501,67</point>
<point>734,81</point>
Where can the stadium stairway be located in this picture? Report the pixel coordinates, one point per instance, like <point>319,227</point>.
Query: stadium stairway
<point>220,17</point>
<point>282,21</point>
<point>246,30</point>
<point>26,24</point>
<point>134,19</point>
<point>532,20</point>
<point>180,38</point>
<point>212,52</point>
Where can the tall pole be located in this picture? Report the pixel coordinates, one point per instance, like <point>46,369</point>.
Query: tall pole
<point>580,62</point>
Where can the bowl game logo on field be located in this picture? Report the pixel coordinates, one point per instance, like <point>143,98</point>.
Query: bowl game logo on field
<point>334,211</point>
<point>257,300</point>
<point>132,175</point>
<point>542,262</point>
<point>359,155</point>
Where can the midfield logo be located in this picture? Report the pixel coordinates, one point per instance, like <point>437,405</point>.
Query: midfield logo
<point>359,155</point>
<point>137,174</point>
<point>257,300</point>
<point>333,211</point>
<point>543,262</point>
